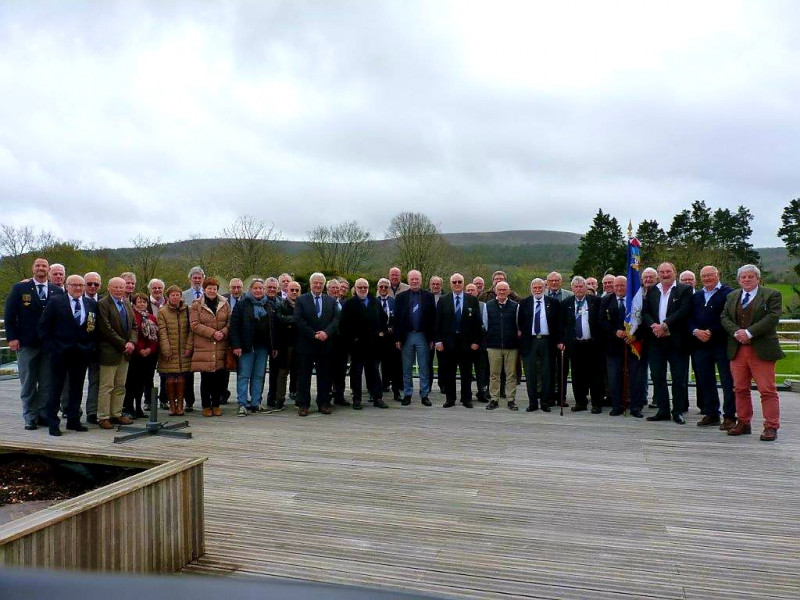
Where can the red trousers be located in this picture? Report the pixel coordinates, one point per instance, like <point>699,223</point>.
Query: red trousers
<point>746,366</point>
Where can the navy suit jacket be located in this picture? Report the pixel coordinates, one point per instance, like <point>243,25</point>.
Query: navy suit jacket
<point>552,311</point>
<point>23,311</point>
<point>708,316</point>
<point>677,320</point>
<point>611,320</point>
<point>568,320</point>
<point>308,323</point>
<point>402,315</point>
<point>58,330</point>
<point>471,321</point>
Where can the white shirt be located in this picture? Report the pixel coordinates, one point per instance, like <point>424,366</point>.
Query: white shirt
<point>543,329</point>
<point>83,308</point>
<point>663,303</point>
<point>583,315</point>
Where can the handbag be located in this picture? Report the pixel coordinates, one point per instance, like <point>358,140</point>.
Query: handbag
<point>230,359</point>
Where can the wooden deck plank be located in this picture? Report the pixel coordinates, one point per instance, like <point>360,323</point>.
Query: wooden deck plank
<point>477,504</point>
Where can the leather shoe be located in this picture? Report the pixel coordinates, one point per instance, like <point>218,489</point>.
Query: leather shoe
<point>31,426</point>
<point>492,405</point>
<point>426,401</point>
<point>659,417</point>
<point>637,413</point>
<point>380,404</point>
<point>727,423</point>
<point>467,404</point>
<point>448,404</point>
<point>532,408</point>
<point>406,400</point>
<point>341,402</point>
<point>545,408</point>
<point>596,410</point>
<point>740,429</point>
<point>615,412</point>
<point>513,406</point>
<point>92,419</point>
<point>76,427</point>
<point>578,408</point>
<point>708,421</point>
<point>325,410</point>
<point>303,412</point>
<point>679,419</point>
<point>55,432</point>
<point>105,424</point>
<point>357,405</point>
<point>769,435</point>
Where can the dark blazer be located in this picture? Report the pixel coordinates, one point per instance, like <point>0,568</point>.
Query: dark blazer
<point>707,316</point>
<point>552,310</point>
<point>23,311</point>
<point>567,320</point>
<point>308,324</point>
<point>611,319</point>
<point>111,337</point>
<point>58,330</point>
<point>362,325</point>
<point>680,304</point>
<point>767,306</point>
<point>402,315</point>
<point>471,322</point>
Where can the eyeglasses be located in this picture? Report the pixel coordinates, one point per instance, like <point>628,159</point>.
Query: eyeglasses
<point>92,284</point>
<point>383,286</point>
<point>458,281</point>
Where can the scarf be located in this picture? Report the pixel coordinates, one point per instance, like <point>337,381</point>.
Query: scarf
<point>149,329</point>
<point>259,311</point>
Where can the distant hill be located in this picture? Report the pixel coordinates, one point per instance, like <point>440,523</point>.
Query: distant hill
<point>533,237</point>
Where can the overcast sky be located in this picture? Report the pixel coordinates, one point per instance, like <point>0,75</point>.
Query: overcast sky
<point>172,118</point>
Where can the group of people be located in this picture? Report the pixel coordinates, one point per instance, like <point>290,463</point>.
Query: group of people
<point>63,328</point>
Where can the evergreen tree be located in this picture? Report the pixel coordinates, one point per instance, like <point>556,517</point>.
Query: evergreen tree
<point>790,230</point>
<point>602,249</point>
<point>653,239</point>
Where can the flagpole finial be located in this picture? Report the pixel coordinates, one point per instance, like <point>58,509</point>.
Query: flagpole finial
<point>630,229</point>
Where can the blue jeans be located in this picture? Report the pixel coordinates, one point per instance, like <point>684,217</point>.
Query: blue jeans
<point>416,344</point>
<point>250,376</point>
<point>35,381</point>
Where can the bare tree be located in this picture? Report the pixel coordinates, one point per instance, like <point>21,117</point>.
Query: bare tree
<point>417,242</point>
<point>15,243</point>
<point>147,256</point>
<point>249,246</point>
<point>342,248</point>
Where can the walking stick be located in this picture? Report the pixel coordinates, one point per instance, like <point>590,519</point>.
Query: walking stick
<point>626,384</point>
<point>562,388</point>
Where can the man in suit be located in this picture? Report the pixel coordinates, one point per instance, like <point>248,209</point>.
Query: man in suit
<point>391,364</point>
<point>415,324</point>
<point>539,327</point>
<point>194,292</point>
<point>665,312</point>
<point>608,284</point>
<point>580,332</point>
<point>591,286</point>
<point>317,318</point>
<point>24,307</point>
<point>559,385</point>
<point>57,275</point>
<point>435,286</point>
<point>284,279</point>
<point>617,342</point>
<point>458,336</point>
<point>116,340</point>
<point>689,278</point>
<point>750,317</point>
<point>66,330</point>
<point>338,356</point>
<point>92,284</point>
<point>396,286</point>
<point>479,284</point>
<point>481,357</point>
<point>363,327</point>
<point>710,350</point>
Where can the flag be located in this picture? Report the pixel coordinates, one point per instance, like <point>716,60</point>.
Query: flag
<point>633,298</point>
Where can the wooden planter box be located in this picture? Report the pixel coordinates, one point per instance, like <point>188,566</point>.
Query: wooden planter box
<point>150,522</point>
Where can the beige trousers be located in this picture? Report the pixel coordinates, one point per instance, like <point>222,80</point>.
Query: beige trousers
<point>497,360</point>
<point>111,391</point>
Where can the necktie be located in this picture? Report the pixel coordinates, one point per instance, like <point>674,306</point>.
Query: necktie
<point>42,295</point>
<point>318,304</point>
<point>123,315</point>
<point>77,312</point>
<point>196,294</point>
<point>366,302</point>
<point>579,320</point>
<point>458,313</point>
<point>537,318</point>
<point>622,305</point>
<point>746,300</point>
<point>385,306</point>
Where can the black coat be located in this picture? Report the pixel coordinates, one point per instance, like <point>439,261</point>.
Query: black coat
<point>567,320</point>
<point>708,316</point>
<point>680,304</point>
<point>58,330</point>
<point>552,309</point>
<point>23,311</point>
<point>287,328</point>
<point>308,324</point>
<point>243,323</point>
<point>611,319</point>
<point>360,326</point>
<point>402,315</point>
<point>471,322</point>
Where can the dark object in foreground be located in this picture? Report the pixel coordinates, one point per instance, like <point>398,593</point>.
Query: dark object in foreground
<point>153,426</point>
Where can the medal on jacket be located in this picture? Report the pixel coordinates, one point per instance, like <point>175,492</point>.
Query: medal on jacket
<point>90,322</point>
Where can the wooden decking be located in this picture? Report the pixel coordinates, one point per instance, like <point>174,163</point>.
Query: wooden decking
<point>479,504</point>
